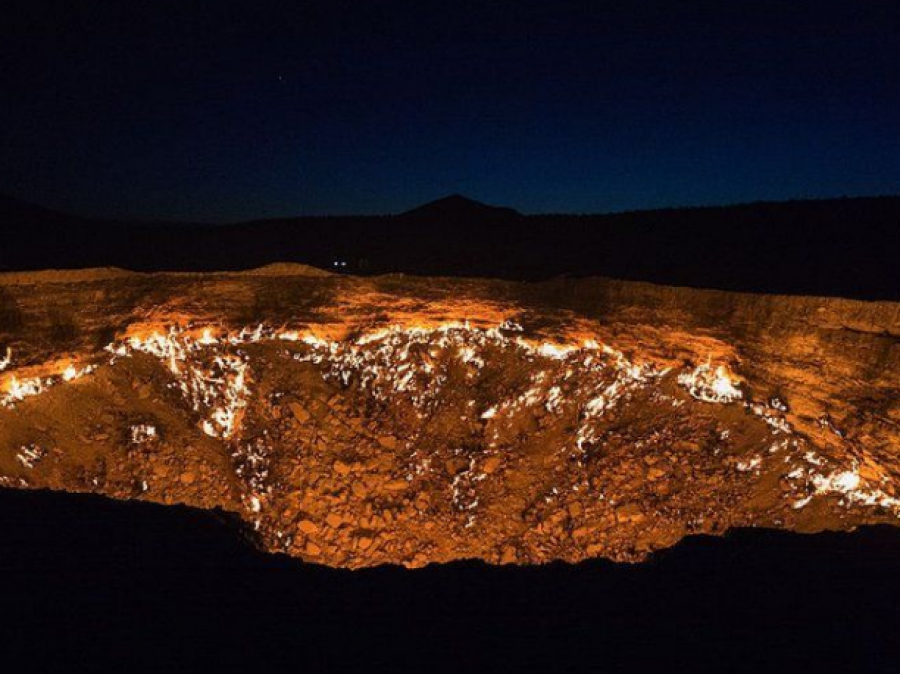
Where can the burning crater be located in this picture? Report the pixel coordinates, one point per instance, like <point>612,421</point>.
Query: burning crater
<point>356,422</point>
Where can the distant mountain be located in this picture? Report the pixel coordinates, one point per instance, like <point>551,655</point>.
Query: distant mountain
<point>458,206</point>
<point>840,247</point>
<point>15,211</point>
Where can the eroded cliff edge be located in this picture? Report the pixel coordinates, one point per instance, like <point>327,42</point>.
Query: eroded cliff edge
<point>358,421</point>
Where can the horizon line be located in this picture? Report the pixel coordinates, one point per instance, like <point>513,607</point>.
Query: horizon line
<point>137,220</point>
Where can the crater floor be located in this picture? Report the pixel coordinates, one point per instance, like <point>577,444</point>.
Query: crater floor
<point>360,421</point>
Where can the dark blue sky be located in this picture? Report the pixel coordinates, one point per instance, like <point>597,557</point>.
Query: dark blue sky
<point>229,110</point>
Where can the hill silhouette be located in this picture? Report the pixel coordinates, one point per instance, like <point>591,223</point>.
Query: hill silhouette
<point>843,247</point>
<point>458,207</point>
<point>20,213</point>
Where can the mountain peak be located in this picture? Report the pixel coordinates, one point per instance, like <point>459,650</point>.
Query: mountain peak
<point>459,206</point>
<point>19,211</point>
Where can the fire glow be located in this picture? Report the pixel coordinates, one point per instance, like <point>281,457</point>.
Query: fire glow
<point>17,389</point>
<point>585,380</point>
<point>848,484</point>
<point>212,371</point>
<point>711,385</point>
<point>213,374</point>
<point>211,382</point>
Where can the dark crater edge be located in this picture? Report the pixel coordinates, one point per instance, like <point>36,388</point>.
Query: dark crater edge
<point>184,588</point>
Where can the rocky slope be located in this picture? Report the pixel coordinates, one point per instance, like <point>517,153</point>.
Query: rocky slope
<point>356,421</point>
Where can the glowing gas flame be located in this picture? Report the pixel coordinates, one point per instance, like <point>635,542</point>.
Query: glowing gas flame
<point>143,434</point>
<point>218,387</point>
<point>850,485</point>
<point>19,390</point>
<point>211,370</point>
<point>712,385</point>
<point>207,338</point>
<point>72,373</point>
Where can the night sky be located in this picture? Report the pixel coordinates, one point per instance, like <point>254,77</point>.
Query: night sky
<point>226,111</point>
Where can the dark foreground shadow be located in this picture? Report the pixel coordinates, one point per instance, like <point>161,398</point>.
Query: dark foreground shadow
<point>91,584</point>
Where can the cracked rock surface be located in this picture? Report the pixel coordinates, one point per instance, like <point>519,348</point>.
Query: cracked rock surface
<point>360,421</point>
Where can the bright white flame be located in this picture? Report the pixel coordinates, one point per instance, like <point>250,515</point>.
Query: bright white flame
<point>221,388</point>
<point>711,385</point>
<point>19,390</point>
<point>557,351</point>
<point>143,433</point>
<point>29,455</point>
<point>312,340</point>
<point>207,339</point>
<point>750,464</point>
<point>853,488</point>
<point>71,372</point>
<point>842,482</point>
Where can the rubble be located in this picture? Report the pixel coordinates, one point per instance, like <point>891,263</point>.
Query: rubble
<point>411,421</point>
